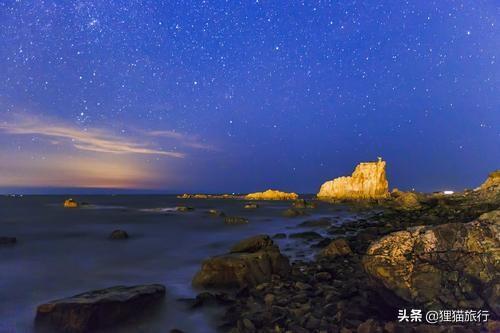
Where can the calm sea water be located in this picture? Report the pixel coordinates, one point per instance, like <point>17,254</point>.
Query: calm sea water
<point>62,252</point>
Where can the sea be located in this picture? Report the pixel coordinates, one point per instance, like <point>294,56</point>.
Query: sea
<point>61,252</point>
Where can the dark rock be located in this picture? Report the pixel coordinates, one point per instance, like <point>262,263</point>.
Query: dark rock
<point>118,234</point>
<point>323,222</point>
<point>279,236</point>
<point>337,247</point>
<point>8,240</point>
<point>292,212</point>
<point>303,204</point>
<point>251,262</point>
<point>306,235</point>
<point>252,244</point>
<point>235,220</point>
<point>98,309</point>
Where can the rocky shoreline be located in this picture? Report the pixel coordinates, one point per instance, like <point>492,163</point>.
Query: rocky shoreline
<point>407,251</point>
<point>426,252</point>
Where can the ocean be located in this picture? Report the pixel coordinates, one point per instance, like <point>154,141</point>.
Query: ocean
<point>61,252</point>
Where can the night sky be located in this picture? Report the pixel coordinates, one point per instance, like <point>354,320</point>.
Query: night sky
<point>237,96</point>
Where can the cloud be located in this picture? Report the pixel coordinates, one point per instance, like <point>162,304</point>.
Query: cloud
<point>184,139</point>
<point>95,140</point>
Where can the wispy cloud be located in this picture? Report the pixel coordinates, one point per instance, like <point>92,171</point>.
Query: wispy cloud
<point>95,140</point>
<point>185,139</point>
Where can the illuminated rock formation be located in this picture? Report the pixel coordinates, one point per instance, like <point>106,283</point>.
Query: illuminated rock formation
<point>70,203</point>
<point>272,195</point>
<point>366,182</point>
<point>492,181</point>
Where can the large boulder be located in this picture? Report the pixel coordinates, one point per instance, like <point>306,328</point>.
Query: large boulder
<point>368,181</point>
<point>250,262</point>
<point>448,266</point>
<point>272,195</point>
<point>98,309</point>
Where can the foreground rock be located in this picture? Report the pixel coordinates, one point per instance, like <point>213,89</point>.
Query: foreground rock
<point>250,262</point>
<point>292,212</point>
<point>70,203</point>
<point>272,195</point>
<point>8,240</point>
<point>337,247</point>
<point>184,209</point>
<point>118,234</point>
<point>98,309</point>
<point>303,204</point>
<point>449,266</point>
<point>368,181</point>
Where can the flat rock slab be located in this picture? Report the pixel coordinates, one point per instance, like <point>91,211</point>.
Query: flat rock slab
<point>98,309</point>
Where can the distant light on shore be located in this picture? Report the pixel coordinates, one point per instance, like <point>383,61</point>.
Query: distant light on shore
<point>448,192</point>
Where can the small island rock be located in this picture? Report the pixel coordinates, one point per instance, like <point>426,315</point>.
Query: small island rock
<point>118,234</point>
<point>70,203</point>
<point>235,220</point>
<point>272,195</point>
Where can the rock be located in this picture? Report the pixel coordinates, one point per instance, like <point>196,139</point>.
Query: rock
<point>235,220</point>
<point>450,266</point>
<point>369,326</point>
<point>322,222</point>
<point>493,180</point>
<point>337,247</point>
<point>368,181</point>
<point>272,195</point>
<point>279,236</point>
<point>118,234</point>
<point>70,203</point>
<point>251,206</point>
<point>8,240</point>
<point>184,209</point>
<point>252,244</point>
<point>249,263</point>
<point>98,309</point>
<point>215,212</point>
<point>306,235</point>
<point>303,204</point>
<point>292,212</point>
<point>405,200</point>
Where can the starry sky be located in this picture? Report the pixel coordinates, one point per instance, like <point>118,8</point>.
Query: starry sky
<point>238,96</point>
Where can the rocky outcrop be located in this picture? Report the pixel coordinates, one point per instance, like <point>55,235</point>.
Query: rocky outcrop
<point>250,262</point>
<point>448,266</point>
<point>209,196</point>
<point>272,195</point>
<point>405,200</point>
<point>70,203</point>
<point>492,181</point>
<point>368,181</point>
<point>118,234</point>
<point>98,309</point>
<point>303,204</point>
<point>337,247</point>
<point>293,212</point>
<point>184,209</point>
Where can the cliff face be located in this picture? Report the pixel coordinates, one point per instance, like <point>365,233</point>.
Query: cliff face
<point>272,195</point>
<point>366,182</point>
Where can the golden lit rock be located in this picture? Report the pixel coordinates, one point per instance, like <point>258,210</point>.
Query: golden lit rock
<point>368,181</point>
<point>272,195</point>
<point>70,203</point>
